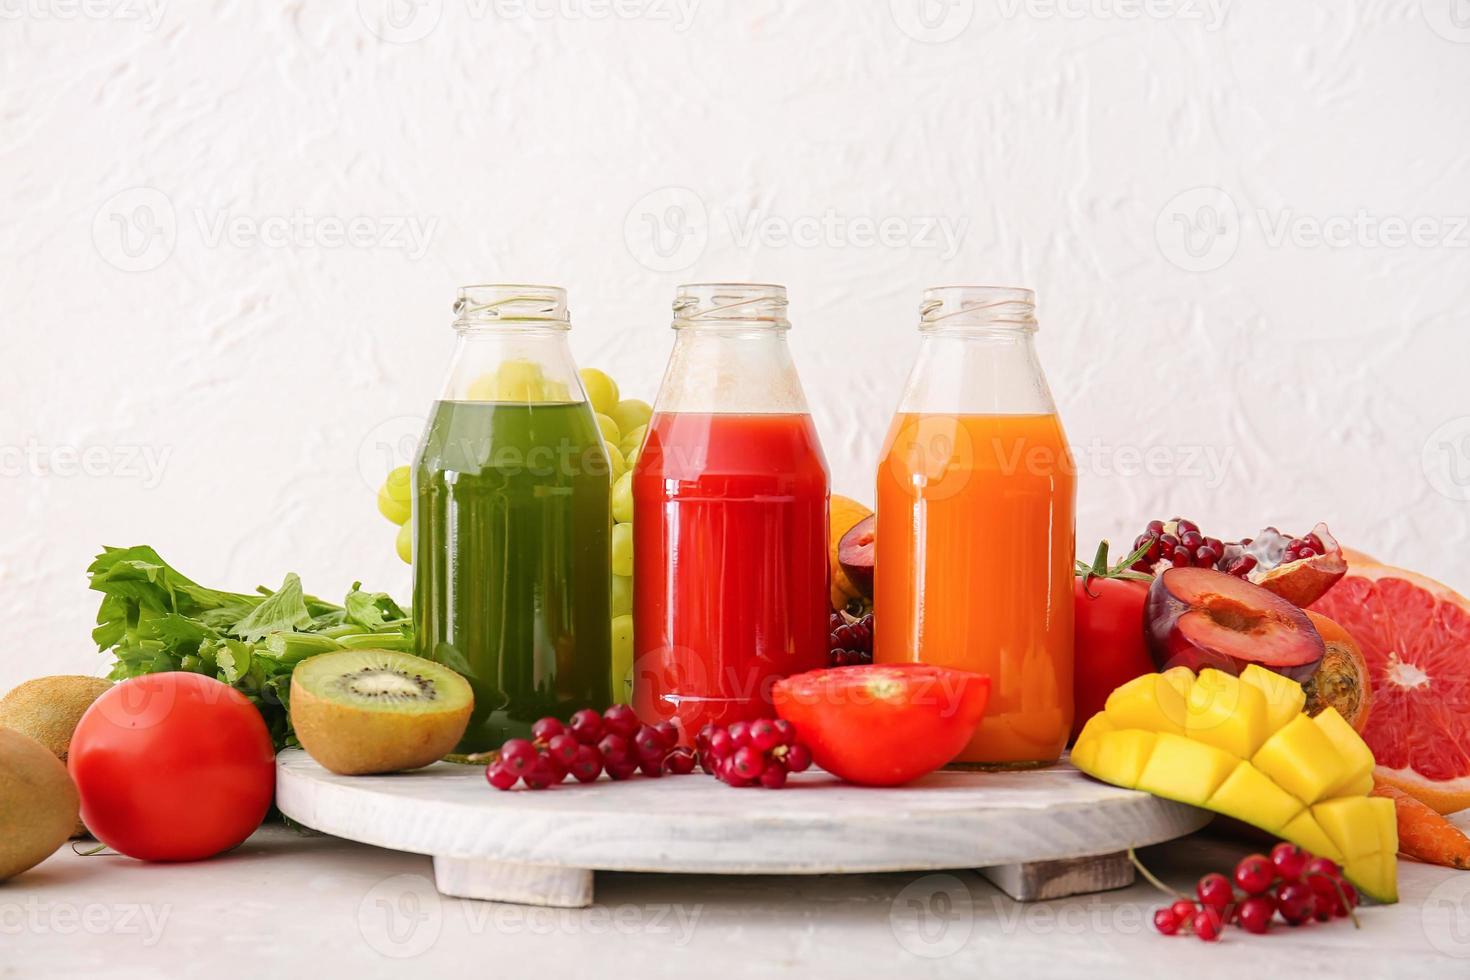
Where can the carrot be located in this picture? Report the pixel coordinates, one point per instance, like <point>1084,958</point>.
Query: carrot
<point>1424,835</point>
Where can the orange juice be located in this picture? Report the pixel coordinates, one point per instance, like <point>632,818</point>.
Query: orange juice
<point>974,567</point>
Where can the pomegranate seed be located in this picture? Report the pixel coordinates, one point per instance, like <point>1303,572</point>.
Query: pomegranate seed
<point>1185,526</point>
<point>1155,528</point>
<point>1205,555</point>
<point>1315,543</point>
<point>1168,541</point>
<point>1192,540</point>
<point>1181,558</point>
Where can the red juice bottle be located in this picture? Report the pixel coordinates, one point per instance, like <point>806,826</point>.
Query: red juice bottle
<point>729,517</point>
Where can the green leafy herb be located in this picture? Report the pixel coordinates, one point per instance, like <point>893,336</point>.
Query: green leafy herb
<point>154,619</point>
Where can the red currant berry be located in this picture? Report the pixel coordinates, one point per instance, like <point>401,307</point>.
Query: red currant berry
<point>1214,890</point>
<point>518,755</point>
<point>1322,907</point>
<point>546,729</point>
<point>763,735</point>
<point>1184,910</point>
<point>563,748</point>
<point>748,762</point>
<point>680,762</point>
<point>1255,874</point>
<point>1294,901</point>
<point>499,776</point>
<point>1165,921</point>
<point>1255,913</point>
<point>786,730</point>
<point>539,776</point>
<point>622,769</point>
<point>739,734</point>
<point>651,766</point>
<point>620,720</point>
<point>798,758</point>
<point>1321,866</point>
<point>1289,860</point>
<point>720,744</point>
<point>648,743</point>
<point>586,726</point>
<point>773,776</point>
<point>1207,923</point>
<point>668,732</point>
<point>614,749</point>
<point>587,765</point>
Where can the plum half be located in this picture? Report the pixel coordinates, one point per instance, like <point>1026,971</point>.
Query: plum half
<point>1200,617</point>
<point>855,553</point>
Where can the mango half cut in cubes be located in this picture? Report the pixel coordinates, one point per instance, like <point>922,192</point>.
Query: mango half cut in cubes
<point>1242,747</point>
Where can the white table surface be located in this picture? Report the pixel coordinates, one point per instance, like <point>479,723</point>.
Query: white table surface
<point>290,905</point>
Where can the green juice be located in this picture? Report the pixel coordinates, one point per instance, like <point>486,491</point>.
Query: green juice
<point>511,561</point>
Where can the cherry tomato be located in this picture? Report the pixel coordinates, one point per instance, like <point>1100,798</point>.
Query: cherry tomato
<point>1111,648</point>
<point>172,767</point>
<point>883,724</point>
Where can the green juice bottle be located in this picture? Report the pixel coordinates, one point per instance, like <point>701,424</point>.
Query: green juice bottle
<point>511,519</point>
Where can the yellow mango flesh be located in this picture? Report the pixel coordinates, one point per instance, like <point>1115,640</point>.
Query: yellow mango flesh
<point>1223,712</point>
<point>1284,697</point>
<point>1306,834</point>
<point>1243,748</point>
<point>1350,746</point>
<point>1249,796</point>
<point>1150,703</point>
<point>1121,756</point>
<point>1302,760</point>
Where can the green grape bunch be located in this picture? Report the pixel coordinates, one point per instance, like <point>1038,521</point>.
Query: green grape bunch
<point>623,423</point>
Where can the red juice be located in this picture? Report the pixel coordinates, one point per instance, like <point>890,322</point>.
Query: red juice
<point>730,564</point>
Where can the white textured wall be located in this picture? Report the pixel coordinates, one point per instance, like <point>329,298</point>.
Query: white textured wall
<point>1156,169</point>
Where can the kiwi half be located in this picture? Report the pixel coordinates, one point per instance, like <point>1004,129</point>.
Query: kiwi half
<point>369,711</point>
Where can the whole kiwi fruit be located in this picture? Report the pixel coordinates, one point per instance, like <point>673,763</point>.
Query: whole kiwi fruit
<point>38,803</point>
<point>48,709</point>
<point>372,711</point>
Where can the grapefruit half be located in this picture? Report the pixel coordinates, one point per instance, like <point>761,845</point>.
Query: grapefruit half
<point>1415,635</point>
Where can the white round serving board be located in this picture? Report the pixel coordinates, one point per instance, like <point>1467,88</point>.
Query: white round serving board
<point>695,824</point>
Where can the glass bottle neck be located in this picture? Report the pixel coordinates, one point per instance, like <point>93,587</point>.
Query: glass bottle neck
<point>512,346</point>
<point>977,354</point>
<point>730,353</point>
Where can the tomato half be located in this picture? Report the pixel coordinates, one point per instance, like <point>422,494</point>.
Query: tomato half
<point>1111,648</point>
<point>172,767</point>
<point>883,724</point>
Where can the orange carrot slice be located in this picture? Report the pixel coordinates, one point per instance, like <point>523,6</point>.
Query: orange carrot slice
<point>1424,835</point>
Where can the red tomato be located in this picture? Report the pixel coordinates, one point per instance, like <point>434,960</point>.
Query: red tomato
<point>1109,640</point>
<point>172,767</point>
<point>883,724</point>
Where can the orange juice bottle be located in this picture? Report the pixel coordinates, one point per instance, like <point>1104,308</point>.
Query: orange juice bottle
<point>976,527</point>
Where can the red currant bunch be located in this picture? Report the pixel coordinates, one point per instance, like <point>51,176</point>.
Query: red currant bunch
<point>588,745</point>
<point>1290,883</point>
<point>752,753</point>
